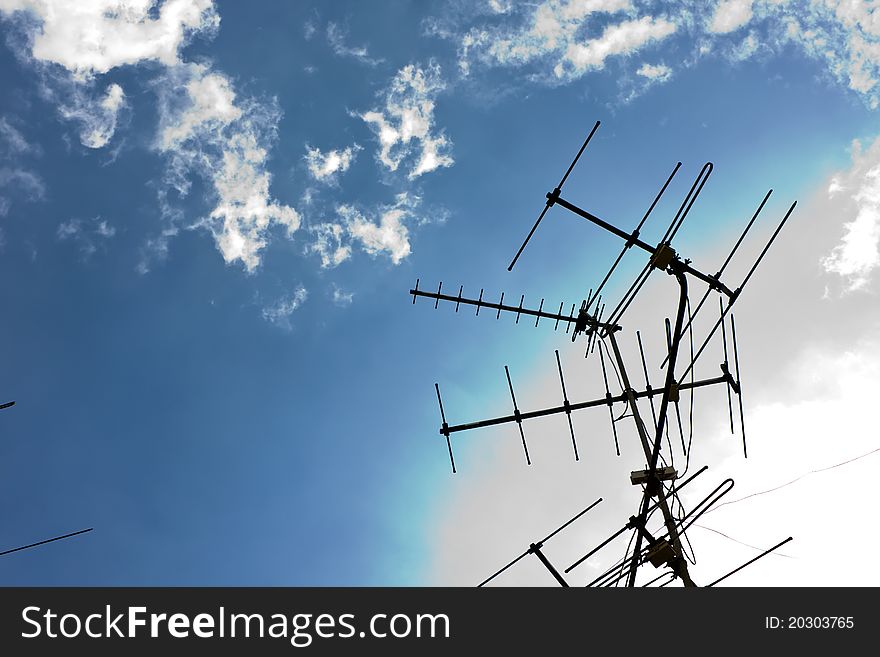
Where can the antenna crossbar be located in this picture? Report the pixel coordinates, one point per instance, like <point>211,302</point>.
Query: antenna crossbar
<point>566,408</point>
<point>569,319</point>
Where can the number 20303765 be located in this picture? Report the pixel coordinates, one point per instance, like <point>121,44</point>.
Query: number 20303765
<point>809,622</point>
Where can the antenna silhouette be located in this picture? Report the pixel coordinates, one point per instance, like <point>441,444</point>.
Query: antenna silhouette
<point>48,540</point>
<point>660,544</point>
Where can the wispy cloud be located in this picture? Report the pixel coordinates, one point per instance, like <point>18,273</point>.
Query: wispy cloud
<point>97,117</point>
<point>88,235</point>
<point>563,40</point>
<point>279,312</point>
<point>561,35</point>
<point>330,244</point>
<point>341,297</point>
<point>13,142</point>
<point>336,37</point>
<point>16,179</point>
<point>405,127</point>
<point>21,183</point>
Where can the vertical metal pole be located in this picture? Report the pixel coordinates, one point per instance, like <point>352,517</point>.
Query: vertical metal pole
<point>652,452</point>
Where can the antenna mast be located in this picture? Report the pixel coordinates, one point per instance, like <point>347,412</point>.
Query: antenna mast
<point>662,547</point>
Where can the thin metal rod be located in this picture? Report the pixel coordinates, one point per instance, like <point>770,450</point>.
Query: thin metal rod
<point>615,573</point>
<point>678,264</point>
<point>609,401</point>
<point>681,566</point>
<point>539,543</point>
<point>751,561</point>
<point>647,380</point>
<point>707,168</point>
<point>596,549</point>
<point>710,500</point>
<point>672,224</point>
<point>736,294</point>
<point>626,527</point>
<point>567,523</point>
<point>677,411</point>
<point>632,291</point>
<point>635,233</point>
<point>48,540</point>
<point>725,263</point>
<point>497,573</point>
<point>594,335</point>
<point>445,428</point>
<point>739,395</point>
<point>517,416</point>
<point>578,156</point>
<point>549,203</point>
<point>567,406</point>
<point>724,342</point>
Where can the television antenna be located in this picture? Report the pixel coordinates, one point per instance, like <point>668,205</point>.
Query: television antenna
<point>662,547</point>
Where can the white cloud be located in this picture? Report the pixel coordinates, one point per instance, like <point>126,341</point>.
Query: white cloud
<point>554,25</point>
<point>324,166</point>
<point>858,254</point>
<point>563,40</point>
<point>623,38</point>
<point>658,72</point>
<point>562,34</point>
<point>730,15</point>
<point>91,37</point>
<point>406,125</point>
<point>210,107</point>
<point>389,235</point>
<point>279,313</point>
<point>386,234</point>
<point>844,36</point>
<point>204,128</point>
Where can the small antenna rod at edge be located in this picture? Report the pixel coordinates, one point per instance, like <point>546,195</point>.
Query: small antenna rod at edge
<point>549,203</point>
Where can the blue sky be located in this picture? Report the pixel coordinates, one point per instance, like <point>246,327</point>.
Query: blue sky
<point>212,213</point>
